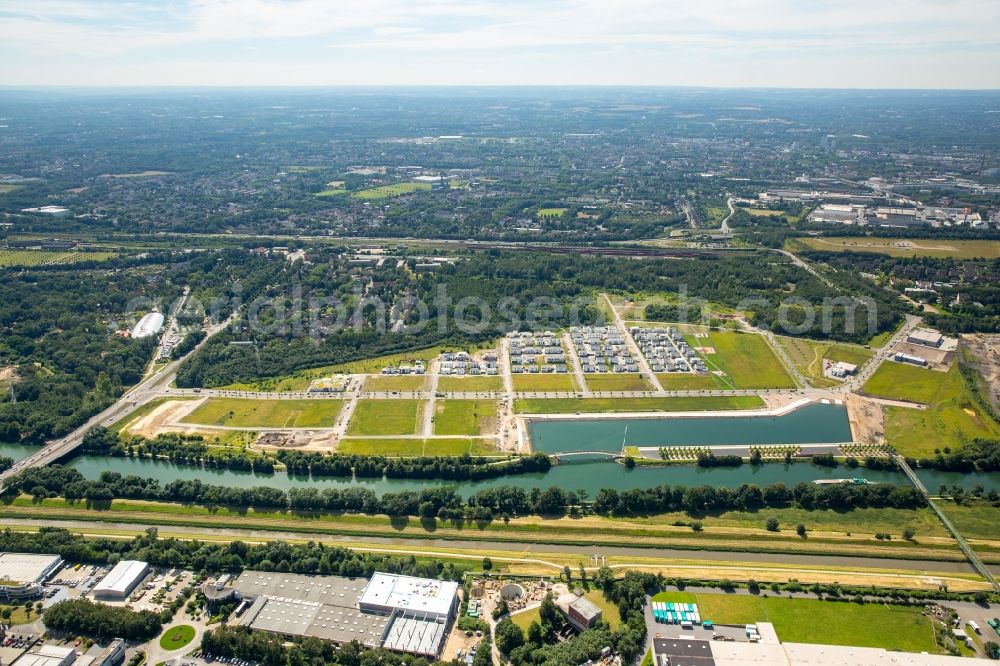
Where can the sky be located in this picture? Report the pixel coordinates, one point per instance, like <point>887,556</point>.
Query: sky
<point>768,43</point>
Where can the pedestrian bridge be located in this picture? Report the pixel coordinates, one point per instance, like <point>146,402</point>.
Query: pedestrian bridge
<point>562,455</point>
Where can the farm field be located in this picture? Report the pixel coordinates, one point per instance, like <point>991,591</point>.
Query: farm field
<point>623,405</point>
<point>247,413</point>
<point>617,382</point>
<point>746,358</point>
<point>338,192</point>
<point>415,446</point>
<point>472,384</point>
<point>808,355</point>
<point>396,383</point>
<point>30,258</point>
<point>541,382</point>
<point>389,191</point>
<point>816,621</point>
<point>686,381</point>
<point>385,417</point>
<point>954,249</point>
<point>465,417</point>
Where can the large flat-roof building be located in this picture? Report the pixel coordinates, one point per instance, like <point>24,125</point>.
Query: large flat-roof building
<point>121,580</point>
<point>22,574</point>
<point>925,337</point>
<point>400,613</point>
<point>47,655</point>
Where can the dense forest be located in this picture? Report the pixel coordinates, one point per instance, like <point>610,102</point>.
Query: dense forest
<point>530,290</point>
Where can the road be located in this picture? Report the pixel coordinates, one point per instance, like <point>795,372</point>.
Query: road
<point>724,228</point>
<point>633,348</point>
<point>148,389</point>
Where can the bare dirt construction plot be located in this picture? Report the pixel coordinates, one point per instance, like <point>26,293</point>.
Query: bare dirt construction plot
<point>867,420</point>
<point>983,356</point>
<point>162,419</point>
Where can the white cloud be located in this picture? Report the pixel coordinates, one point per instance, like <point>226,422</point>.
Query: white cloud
<point>552,35</point>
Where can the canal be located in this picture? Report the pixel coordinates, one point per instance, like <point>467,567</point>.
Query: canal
<point>816,423</point>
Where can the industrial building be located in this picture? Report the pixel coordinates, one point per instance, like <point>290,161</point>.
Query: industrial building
<point>148,325</point>
<point>900,357</point>
<point>121,580</point>
<point>925,337</point>
<point>22,574</point>
<point>399,613</point>
<point>47,655</point>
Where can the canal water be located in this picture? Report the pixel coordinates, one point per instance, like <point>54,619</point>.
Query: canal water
<point>590,476</point>
<point>816,423</point>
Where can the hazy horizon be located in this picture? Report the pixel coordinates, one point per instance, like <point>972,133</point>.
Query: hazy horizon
<point>850,44</point>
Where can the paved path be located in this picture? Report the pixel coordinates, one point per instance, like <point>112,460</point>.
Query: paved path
<point>724,228</point>
<point>574,361</point>
<point>633,348</point>
<point>430,407</point>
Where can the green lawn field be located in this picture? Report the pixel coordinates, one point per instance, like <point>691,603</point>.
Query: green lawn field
<point>898,247</point>
<point>686,381</point>
<point>617,382</point>
<point>415,446</point>
<point>396,383</point>
<point>975,520</point>
<point>747,360</point>
<point>175,638</point>
<point>808,355</point>
<point>902,381</point>
<point>247,413</point>
<point>551,212</point>
<point>546,382</point>
<point>465,417</point>
<point>592,405</point>
<point>385,417</point>
<point>389,191</point>
<point>952,418</point>
<point>450,384</point>
<point>814,621</point>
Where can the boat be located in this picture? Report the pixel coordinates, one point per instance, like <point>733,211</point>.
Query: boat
<point>856,481</point>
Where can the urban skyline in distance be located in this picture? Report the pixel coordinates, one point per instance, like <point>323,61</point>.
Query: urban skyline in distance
<point>716,43</point>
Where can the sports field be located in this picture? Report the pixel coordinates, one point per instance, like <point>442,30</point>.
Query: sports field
<point>746,358</point>
<point>385,417</point>
<point>389,191</point>
<point>549,382</point>
<point>886,626</point>
<point>895,247</point>
<point>465,417</point>
<point>617,382</point>
<point>551,212</point>
<point>416,446</point>
<point>247,413</point>
<point>624,405</point>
